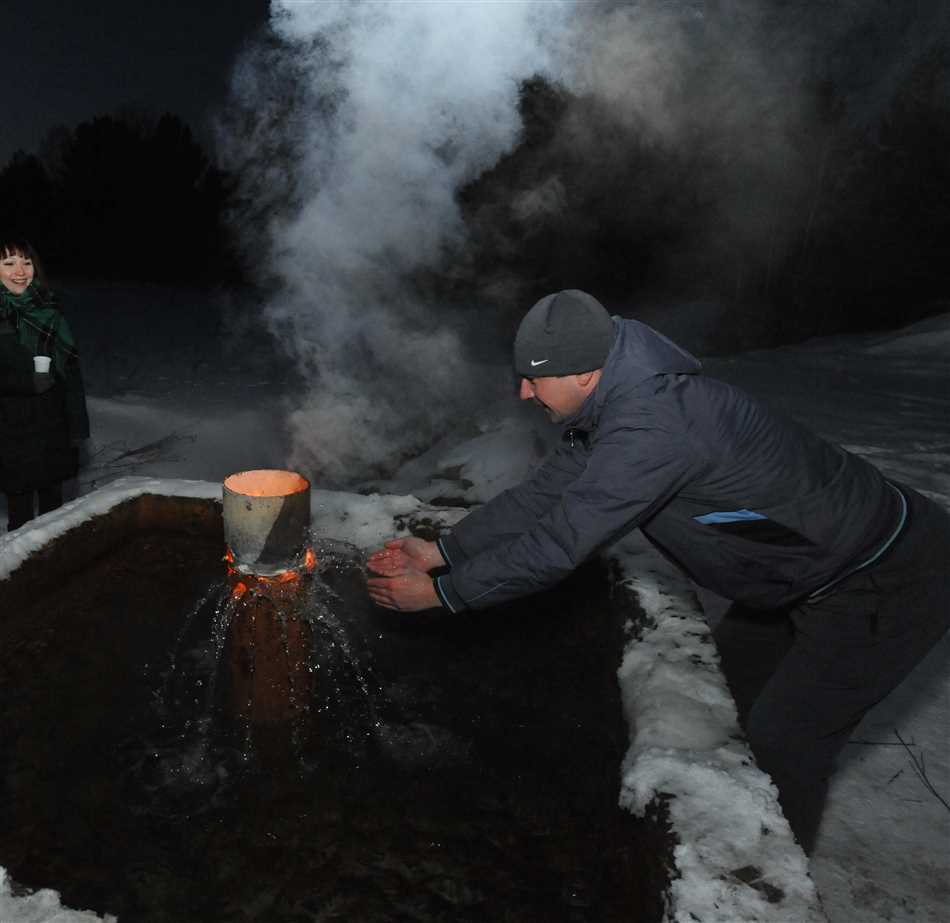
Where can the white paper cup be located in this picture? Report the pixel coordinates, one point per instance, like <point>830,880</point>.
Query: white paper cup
<point>41,363</point>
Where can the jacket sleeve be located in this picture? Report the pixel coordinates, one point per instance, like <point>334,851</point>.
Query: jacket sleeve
<point>512,512</point>
<point>630,474</point>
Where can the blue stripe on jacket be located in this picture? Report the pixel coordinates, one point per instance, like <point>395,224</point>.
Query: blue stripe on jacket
<point>730,516</point>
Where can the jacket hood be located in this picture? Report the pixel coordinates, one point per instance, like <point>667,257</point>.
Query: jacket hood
<point>638,353</point>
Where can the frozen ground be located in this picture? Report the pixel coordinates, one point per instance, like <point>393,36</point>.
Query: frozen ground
<point>165,406</point>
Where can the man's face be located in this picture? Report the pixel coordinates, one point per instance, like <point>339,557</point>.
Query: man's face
<point>560,397</point>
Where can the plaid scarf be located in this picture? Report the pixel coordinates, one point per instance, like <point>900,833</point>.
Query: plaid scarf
<point>39,325</point>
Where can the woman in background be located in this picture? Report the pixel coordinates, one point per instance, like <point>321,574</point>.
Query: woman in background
<point>42,414</point>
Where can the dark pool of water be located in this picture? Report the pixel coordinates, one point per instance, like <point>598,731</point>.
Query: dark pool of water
<point>438,768</point>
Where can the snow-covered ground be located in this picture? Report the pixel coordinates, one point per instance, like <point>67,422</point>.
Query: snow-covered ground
<point>883,850</point>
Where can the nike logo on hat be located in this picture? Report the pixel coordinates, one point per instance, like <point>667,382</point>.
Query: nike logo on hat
<point>538,362</point>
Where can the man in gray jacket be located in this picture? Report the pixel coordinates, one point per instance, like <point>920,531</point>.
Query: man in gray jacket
<point>839,577</point>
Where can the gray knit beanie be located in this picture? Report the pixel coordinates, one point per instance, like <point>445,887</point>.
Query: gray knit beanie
<point>563,334</point>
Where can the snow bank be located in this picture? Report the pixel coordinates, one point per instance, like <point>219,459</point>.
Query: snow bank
<point>40,907</point>
<point>736,858</point>
<point>930,337</point>
<point>17,546</point>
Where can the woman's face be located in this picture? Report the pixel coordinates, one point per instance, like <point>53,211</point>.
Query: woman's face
<point>16,272</point>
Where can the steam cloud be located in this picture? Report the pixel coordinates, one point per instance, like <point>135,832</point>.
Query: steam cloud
<point>369,117</point>
<point>355,124</point>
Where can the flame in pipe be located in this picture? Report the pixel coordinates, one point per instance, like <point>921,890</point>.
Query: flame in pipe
<point>266,482</point>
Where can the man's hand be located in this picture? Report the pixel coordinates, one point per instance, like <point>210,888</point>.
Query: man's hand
<point>403,567</point>
<point>405,554</point>
<point>408,591</point>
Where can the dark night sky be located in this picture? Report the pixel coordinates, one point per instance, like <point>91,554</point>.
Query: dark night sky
<point>65,62</point>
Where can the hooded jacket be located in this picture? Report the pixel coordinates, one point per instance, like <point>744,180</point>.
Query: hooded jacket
<point>748,503</point>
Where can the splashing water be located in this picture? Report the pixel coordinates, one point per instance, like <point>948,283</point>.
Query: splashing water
<point>267,673</point>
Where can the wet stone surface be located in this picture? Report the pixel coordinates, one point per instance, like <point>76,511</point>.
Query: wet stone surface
<point>167,756</point>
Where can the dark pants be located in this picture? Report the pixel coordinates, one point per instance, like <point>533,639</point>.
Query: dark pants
<point>20,506</point>
<point>803,678</point>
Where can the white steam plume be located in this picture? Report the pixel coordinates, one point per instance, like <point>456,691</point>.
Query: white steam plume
<point>386,109</point>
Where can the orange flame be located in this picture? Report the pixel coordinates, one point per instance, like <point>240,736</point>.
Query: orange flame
<point>309,564</point>
<point>243,582</point>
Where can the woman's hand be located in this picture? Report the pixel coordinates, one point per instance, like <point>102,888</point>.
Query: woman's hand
<point>404,554</point>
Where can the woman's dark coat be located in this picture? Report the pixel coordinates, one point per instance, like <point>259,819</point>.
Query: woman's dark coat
<point>38,431</point>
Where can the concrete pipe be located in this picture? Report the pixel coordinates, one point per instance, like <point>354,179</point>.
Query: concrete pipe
<point>266,521</point>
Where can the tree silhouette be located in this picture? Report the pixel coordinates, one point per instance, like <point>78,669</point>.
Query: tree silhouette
<point>27,196</point>
<point>123,196</point>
